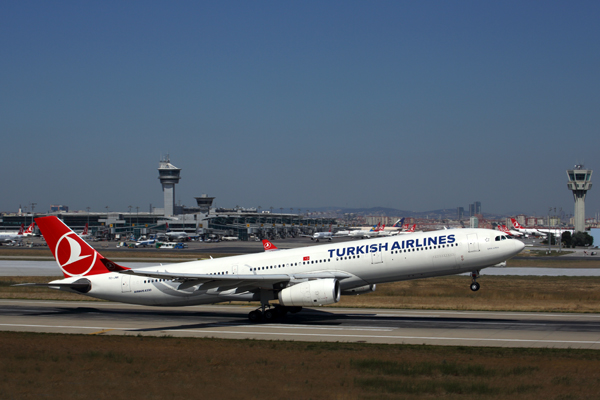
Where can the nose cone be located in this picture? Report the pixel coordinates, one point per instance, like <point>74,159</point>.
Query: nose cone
<point>519,246</point>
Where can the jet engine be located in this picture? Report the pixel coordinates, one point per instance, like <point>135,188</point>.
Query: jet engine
<point>312,293</point>
<point>359,290</point>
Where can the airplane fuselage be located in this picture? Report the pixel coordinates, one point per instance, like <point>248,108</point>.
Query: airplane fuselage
<point>361,263</point>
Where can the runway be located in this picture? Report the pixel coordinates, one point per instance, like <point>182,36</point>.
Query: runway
<point>434,327</point>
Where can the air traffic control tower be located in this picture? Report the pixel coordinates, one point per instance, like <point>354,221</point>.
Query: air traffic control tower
<point>580,181</point>
<point>169,176</point>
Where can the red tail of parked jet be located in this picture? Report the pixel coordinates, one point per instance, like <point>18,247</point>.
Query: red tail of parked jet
<point>516,224</point>
<point>74,256</point>
<point>412,228</point>
<point>21,229</point>
<point>85,230</point>
<point>268,246</point>
<point>29,230</point>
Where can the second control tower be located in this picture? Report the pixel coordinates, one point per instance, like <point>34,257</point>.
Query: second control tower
<point>580,181</point>
<point>169,176</point>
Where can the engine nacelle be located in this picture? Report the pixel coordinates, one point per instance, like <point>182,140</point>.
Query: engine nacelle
<point>312,293</point>
<point>359,290</point>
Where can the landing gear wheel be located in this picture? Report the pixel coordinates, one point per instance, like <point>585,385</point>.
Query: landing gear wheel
<point>270,315</point>
<point>255,316</point>
<point>474,286</point>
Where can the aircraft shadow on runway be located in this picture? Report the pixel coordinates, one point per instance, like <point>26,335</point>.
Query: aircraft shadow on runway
<point>181,319</point>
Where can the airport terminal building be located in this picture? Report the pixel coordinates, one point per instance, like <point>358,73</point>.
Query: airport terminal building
<point>203,221</point>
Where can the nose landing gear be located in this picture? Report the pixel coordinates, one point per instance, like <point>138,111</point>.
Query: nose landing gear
<point>474,285</point>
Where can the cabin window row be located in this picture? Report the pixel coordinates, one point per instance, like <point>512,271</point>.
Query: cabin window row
<point>424,248</point>
<point>273,267</point>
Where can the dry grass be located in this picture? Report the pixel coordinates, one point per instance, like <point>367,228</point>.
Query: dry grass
<point>553,263</point>
<point>498,293</point>
<point>117,367</point>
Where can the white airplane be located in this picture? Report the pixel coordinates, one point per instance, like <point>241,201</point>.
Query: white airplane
<point>503,228</point>
<point>557,232</point>
<point>397,226</point>
<point>12,236</point>
<point>29,230</point>
<point>230,238</point>
<point>364,234</point>
<point>85,234</point>
<point>405,232</point>
<point>526,231</point>
<point>302,277</point>
<point>144,243</point>
<point>321,235</point>
<point>175,235</point>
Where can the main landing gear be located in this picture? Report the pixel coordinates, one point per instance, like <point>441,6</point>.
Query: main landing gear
<point>474,285</point>
<point>271,313</point>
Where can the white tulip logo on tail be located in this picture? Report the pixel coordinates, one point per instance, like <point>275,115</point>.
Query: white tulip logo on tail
<point>73,258</point>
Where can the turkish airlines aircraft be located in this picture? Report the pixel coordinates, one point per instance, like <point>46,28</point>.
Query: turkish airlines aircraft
<point>503,228</point>
<point>85,234</point>
<point>526,231</point>
<point>175,235</point>
<point>29,230</point>
<point>11,236</point>
<point>302,277</point>
<point>320,235</point>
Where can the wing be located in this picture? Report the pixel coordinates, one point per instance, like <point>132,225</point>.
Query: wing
<point>243,282</point>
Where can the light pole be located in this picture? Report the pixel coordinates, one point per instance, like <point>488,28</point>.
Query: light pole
<point>88,216</point>
<point>32,211</point>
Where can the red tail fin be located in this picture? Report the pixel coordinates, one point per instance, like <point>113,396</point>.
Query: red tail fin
<point>21,229</point>
<point>516,224</point>
<point>29,229</point>
<point>268,246</point>
<point>85,230</point>
<point>74,256</point>
<point>412,228</point>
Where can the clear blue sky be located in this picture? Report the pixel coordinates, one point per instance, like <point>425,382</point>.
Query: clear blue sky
<point>412,105</point>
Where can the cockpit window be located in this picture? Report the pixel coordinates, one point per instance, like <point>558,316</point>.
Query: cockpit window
<point>497,238</point>
<point>503,237</point>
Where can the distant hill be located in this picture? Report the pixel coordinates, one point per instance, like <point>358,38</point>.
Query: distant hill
<point>445,213</point>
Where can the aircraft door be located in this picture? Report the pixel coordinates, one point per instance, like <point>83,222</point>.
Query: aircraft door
<point>125,283</point>
<point>473,242</point>
<point>377,257</point>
